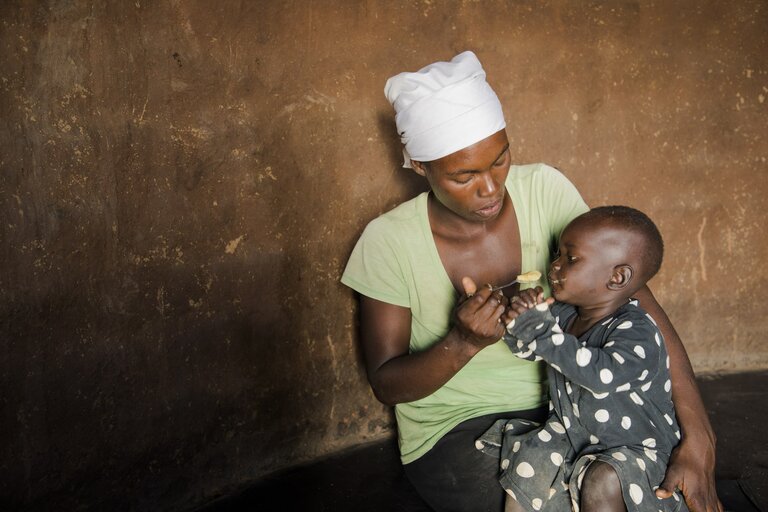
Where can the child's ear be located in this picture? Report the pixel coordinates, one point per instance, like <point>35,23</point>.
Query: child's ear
<point>621,276</point>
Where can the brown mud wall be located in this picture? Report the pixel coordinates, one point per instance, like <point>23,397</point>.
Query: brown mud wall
<point>181,183</point>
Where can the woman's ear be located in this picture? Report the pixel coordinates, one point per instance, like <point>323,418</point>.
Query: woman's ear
<point>419,167</point>
<point>621,277</point>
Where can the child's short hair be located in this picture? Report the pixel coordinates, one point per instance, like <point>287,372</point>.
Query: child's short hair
<point>639,223</point>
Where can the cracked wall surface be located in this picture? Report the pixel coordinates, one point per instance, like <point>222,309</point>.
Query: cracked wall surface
<point>181,183</point>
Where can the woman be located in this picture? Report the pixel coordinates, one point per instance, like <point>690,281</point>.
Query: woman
<point>431,338</point>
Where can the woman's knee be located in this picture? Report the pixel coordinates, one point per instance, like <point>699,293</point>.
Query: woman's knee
<point>601,489</point>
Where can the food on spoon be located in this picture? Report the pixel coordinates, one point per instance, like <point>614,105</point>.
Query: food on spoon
<point>529,277</point>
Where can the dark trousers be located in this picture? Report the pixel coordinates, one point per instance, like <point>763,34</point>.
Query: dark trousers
<point>454,476</point>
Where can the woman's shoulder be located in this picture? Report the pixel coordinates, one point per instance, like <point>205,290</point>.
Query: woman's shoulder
<point>540,171</point>
<point>405,216</point>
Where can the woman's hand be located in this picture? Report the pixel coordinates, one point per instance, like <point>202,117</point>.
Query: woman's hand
<point>692,471</point>
<point>521,303</point>
<point>477,317</point>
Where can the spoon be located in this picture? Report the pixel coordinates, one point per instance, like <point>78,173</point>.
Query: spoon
<point>529,277</point>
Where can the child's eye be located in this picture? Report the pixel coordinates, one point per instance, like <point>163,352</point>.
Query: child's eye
<point>463,181</point>
<point>571,259</point>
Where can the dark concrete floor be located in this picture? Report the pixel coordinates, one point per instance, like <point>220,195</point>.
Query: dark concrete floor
<point>370,479</point>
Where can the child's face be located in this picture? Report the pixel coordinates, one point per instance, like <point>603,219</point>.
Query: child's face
<point>587,256</point>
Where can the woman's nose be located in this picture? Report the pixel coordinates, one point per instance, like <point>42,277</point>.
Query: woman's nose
<point>488,187</point>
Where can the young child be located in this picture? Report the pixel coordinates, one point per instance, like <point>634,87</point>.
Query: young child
<point>609,381</point>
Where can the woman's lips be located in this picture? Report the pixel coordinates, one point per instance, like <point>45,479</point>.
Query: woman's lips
<point>490,210</point>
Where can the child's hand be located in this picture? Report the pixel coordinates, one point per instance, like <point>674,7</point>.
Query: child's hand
<point>521,303</point>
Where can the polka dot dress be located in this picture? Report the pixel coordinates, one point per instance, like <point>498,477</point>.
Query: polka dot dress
<point>610,401</point>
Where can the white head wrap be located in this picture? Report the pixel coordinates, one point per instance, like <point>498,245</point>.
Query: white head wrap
<point>443,108</point>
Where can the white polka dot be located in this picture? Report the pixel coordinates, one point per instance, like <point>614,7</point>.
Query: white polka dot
<point>525,354</point>
<point>669,420</point>
<point>566,422</point>
<point>509,491</point>
<point>508,427</point>
<point>520,343</point>
<point>602,415</point>
<point>545,436</point>
<point>538,358</point>
<point>640,351</point>
<point>658,340</point>
<point>609,344</point>
<point>645,387</point>
<point>643,375</point>
<point>607,321</point>
<point>557,368</point>
<point>617,357</point>
<point>641,464</point>
<point>651,319</point>
<point>532,346</point>
<point>674,495</point>
<point>575,412</point>
<point>516,447</point>
<point>650,442</point>
<point>551,407</point>
<point>625,325</point>
<point>619,456</point>
<point>552,492</point>
<point>540,326</point>
<point>623,387</point>
<point>606,376</point>
<point>559,393</point>
<point>634,302</point>
<point>599,396</point>
<point>583,357</point>
<point>510,325</point>
<point>667,386</point>
<point>525,470</point>
<point>557,328</point>
<point>635,493</point>
<point>556,458</point>
<point>479,445</point>
<point>677,434</point>
<point>558,338</point>
<point>626,422</point>
<point>568,387</point>
<point>557,427</point>
<point>543,306</point>
<point>593,439</point>
<point>536,503</point>
<point>636,398</point>
<point>667,362</point>
<point>651,454</point>
<point>504,464</point>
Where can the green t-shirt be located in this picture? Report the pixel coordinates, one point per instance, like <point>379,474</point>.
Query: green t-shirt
<point>396,261</point>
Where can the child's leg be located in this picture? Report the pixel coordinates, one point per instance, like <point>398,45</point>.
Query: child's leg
<point>601,490</point>
<point>511,505</point>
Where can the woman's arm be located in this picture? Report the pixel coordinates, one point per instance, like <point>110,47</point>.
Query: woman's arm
<point>692,465</point>
<point>397,376</point>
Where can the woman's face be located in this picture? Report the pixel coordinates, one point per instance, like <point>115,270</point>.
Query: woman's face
<point>470,182</point>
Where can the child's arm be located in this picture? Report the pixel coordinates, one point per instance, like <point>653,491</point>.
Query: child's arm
<point>629,359</point>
